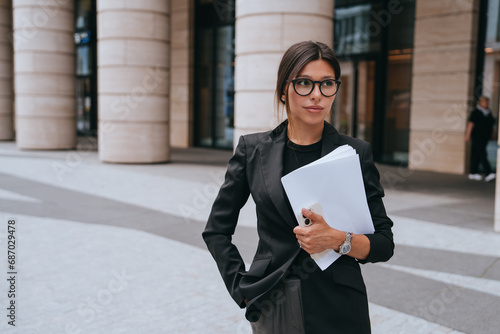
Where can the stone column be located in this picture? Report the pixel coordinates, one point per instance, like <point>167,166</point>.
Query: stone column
<point>133,62</point>
<point>264,30</point>
<point>44,74</point>
<point>6,118</point>
<point>181,78</point>
<point>442,84</point>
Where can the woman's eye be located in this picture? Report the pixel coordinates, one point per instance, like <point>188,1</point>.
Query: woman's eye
<point>328,83</point>
<point>303,82</point>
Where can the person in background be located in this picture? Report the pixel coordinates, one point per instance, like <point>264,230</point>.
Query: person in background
<point>479,131</point>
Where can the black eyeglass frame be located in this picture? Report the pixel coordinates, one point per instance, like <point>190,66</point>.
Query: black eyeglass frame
<point>314,85</point>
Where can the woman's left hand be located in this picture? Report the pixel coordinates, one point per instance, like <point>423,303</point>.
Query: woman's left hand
<point>318,236</point>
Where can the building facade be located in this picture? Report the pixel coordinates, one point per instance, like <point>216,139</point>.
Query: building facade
<point>145,76</point>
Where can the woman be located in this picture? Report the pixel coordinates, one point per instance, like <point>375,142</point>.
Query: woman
<point>284,291</point>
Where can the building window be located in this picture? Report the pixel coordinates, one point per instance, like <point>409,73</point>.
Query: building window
<point>85,48</point>
<point>214,73</point>
<point>374,43</point>
<point>488,63</point>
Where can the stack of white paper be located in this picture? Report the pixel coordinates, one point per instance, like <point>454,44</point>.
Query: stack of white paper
<point>336,183</point>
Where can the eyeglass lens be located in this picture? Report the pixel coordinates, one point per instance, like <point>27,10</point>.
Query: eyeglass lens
<point>306,86</point>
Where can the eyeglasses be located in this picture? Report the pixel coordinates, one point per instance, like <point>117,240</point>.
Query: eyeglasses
<point>304,87</point>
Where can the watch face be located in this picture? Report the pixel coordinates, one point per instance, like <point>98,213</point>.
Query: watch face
<point>344,249</point>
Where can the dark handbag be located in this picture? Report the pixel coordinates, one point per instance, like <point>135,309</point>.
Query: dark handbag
<point>285,315</point>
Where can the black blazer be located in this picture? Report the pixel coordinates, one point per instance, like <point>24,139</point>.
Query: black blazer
<point>256,168</point>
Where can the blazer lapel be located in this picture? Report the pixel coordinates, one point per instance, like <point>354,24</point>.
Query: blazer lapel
<point>331,139</point>
<point>271,155</point>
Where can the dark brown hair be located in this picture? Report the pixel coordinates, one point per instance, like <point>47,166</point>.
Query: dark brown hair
<point>294,60</point>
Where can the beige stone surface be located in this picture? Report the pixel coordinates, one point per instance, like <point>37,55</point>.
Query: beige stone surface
<point>39,17</point>
<point>47,5</point>
<point>259,7</point>
<point>268,37</point>
<point>45,41</point>
<point>45,105</point>
<point>443,58</point>
<point>132,24</point>
<point>5,47</point>
<point>134,142</point>
<point>297,28</point>
<point>157,6</point>
<point>259,107</point>
<point>5,104</point>
<point>145,53</point>
<point>182,73</point>
<point>433,7</point>
<point>44,74</point>
<point>180,6</point>
<point>445,29</point>
<point>440,115</point>
<point>450,87</point>
<point>135,52</point>
<point>6,126</point>
<point>41,62</point>
<point>148,108</point>
<point>181,57</point>
<point>112,52</point>
<point>257,71</point>
<point>442,83</point>
<point>6,87</point>
<point>133,88</point>
<point>42,133</point>
<point>180,133</point>
<point>44,84</point>
<point>439,152</point>
<point>132,80</point>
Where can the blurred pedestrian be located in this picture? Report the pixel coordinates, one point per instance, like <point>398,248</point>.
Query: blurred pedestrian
<point>479,131</point>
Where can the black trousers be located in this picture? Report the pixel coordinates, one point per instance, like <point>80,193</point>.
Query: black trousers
<point>479,157</point>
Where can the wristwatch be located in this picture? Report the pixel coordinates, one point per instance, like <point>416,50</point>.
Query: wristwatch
<point>346,246</point>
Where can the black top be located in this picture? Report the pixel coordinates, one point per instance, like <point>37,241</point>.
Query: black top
<point>297,156</point>
<point>483,125</point>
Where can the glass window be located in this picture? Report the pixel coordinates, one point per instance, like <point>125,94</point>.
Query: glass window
<point>374,44</point>
<point>355,30</point>
<point>85,45</point>
<point>214,74</point>
<point>488,63</point>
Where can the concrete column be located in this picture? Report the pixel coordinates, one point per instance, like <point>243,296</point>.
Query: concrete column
<point>264,30</point>
<point>133,62</point>
<point>442,84</point>
<point>6,117</point>
<point>44,74</point>
<point>181,78</point>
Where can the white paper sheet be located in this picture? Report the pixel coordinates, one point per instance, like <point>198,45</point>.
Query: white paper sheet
<point>335,181</point>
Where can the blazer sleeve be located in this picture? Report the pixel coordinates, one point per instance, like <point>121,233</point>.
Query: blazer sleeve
<point>222,221</point>
<point>381,241</point>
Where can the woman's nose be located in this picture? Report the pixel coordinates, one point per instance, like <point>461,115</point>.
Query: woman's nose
<point>316,93</point>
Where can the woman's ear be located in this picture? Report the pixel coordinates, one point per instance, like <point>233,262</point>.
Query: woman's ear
<point>283,98</point>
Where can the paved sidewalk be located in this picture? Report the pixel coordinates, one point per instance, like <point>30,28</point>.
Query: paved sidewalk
<point>105,248</point>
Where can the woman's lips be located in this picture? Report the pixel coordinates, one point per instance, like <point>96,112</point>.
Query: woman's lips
<point>314,109</point>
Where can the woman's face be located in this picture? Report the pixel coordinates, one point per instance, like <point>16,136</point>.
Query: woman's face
<point>313,108</point>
